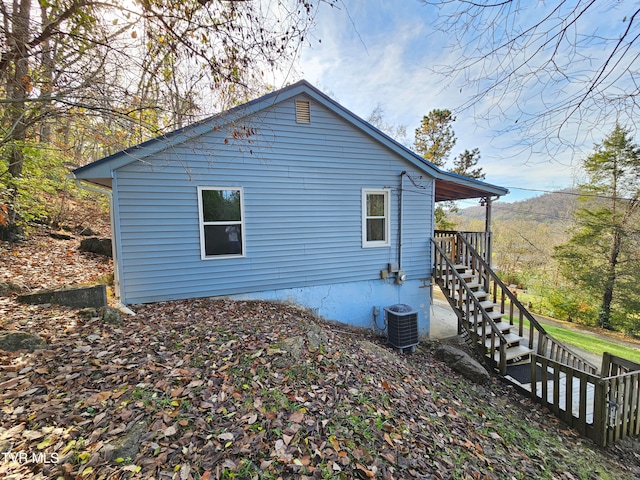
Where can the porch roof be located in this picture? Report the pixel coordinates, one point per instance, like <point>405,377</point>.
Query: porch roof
<point>457,189</point>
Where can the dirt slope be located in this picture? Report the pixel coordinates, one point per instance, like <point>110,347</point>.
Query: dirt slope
<point>222,389</point>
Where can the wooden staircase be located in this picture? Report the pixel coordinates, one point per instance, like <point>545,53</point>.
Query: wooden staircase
<point>604,406</point>
<point>480,319</point>
<point>489,313</point>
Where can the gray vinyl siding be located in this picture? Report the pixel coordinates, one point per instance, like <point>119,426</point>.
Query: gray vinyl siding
<point>302,188</point>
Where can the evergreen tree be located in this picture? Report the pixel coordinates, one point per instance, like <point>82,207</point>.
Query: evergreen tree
<point>602,255</point>
<point>435,138</point>
<point>463,164</point>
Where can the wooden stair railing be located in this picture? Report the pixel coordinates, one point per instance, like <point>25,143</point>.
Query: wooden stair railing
<point>454,252</point>
<point>475,319</point>
<point>605,407</point>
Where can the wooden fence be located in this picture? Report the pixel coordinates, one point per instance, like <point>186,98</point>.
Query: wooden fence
<point>604,408</point>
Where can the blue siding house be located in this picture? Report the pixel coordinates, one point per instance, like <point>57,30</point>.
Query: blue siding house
<point>289,197</point>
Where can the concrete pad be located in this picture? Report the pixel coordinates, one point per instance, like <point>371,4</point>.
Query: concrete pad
<point>444,323</point>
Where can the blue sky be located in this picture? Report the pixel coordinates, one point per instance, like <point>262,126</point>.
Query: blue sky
<point>380,52</point>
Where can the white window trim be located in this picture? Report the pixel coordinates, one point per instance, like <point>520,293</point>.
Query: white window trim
<point>202,223</point>
<point>387,234</point>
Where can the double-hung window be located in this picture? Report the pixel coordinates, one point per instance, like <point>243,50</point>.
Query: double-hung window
<point>221,222</point>
<point>375,218</point>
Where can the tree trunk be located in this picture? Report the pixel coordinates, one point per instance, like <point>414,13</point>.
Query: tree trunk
<point>17,87</point>
<point>604,316</point>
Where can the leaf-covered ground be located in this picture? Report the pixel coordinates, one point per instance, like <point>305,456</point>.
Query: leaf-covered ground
<point>222,389</point>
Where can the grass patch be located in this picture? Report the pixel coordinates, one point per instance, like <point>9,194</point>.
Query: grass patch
<point>574,337</point>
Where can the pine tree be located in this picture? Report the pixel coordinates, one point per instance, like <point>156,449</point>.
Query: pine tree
<point>601,256</point>
<point>435,138</point>
<point>463,164</point>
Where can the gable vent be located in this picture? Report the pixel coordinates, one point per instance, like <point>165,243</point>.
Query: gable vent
<point>303,111</point>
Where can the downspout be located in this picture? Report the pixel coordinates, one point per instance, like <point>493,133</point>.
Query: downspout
<point>400,208</point>
<point>114,250</point>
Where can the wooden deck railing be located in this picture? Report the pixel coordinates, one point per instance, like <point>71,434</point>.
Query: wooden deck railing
<point>568,392</point>
<point>460,250</point>
<point>479,240</point>
<point>472,318</point>
<point>618,400</point>
<point>604,407</point>
<point>552,349</point>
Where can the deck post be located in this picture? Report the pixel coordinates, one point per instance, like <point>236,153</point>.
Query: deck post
<point>487,230</point>
<point>600,412</point>
<point>605,370</point>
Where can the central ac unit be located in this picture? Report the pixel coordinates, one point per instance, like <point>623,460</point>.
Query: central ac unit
<point>402,326</point>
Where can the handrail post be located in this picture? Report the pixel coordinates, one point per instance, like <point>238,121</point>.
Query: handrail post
<point>600,412</point>
<point>605,371</point>
<point>487,229</point>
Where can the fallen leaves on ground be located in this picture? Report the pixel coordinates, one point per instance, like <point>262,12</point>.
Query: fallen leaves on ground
<point>207,389</point>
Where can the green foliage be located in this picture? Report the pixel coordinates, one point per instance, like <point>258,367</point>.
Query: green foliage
<point>441,220</point>
<point>435,137</point>
<point>43,177</point>
<point>601,257</point>
<point>434,140</point>
<point>464,164</point>
<point>571,306</point>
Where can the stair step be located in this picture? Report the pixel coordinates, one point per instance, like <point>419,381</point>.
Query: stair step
<point>502,326</point>
<point>513,353</point>
<point>466,276</point>
<point>478,294</point>
<point>488,305</point>
<point>474,286</point>
<point>458,268</point>
<point>497,315</point>
<point>512,339</point>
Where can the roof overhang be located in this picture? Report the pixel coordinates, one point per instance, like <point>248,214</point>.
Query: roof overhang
<point>448,190</point>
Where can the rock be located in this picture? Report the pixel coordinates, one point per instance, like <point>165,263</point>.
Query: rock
<point>316,337</point>
<point>78,297</point>
<point>89,313</point>
<point>101,246</point>
<point>79,230</point>
<point>85,231</point>
<point>8,288</point>
<point>127,446</point>
<point>14,341</point>
<point>111,315</point>
<point>289,352</point>
<point>462,363</point>
<point>60,236</point>
<point>108,314</point>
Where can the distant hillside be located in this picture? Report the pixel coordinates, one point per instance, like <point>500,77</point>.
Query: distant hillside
<point>550,208</point>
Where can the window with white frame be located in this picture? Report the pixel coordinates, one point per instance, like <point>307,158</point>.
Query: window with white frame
<point>375,218</point>
<point>221,222</point>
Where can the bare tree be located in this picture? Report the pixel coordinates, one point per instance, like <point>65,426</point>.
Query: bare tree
<point>551,71</point>
<point>128,70</point>
<point>377,119</point>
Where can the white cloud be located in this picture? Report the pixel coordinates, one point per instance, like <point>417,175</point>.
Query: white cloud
<point>379,52</point>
